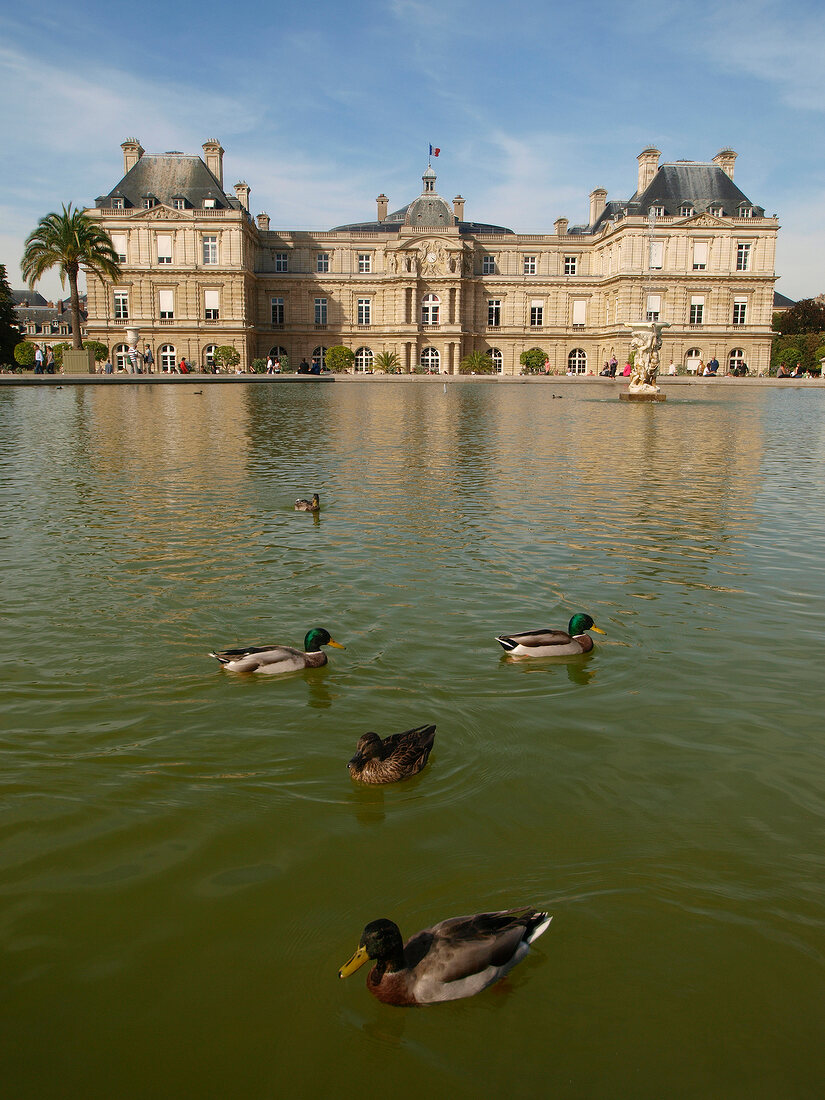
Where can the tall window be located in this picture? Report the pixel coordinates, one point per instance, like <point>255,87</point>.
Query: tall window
<point>736,360</point>
<point>743,257</point>
<point>121,305</point>
<point>209,355</point>
<point>322,263</point>
<point>277,305</point>
<point>282,261</point>
<point>740,309</point>
<point>121,356</point>
<point>167,357</point>
<point>497,358</point>
<point>493,312</point>
<point>529,265</point>
<point>166,302</point>
<point>211,304</point>
<point>488,265</point>
<point>164,243</point>
<point>430,306</point>
<point>431,360</point>
<point>364,311</point>
<point>692,357</point>
<point>580,313</point>
<point>364,263</point>
<point>210,250</point>
<point>657,253</point>
<point>577,361</point>
<point>536,314</point>
<point>320,311</point>
<point>571,265</point>
<point>318,357</point>
<point>697,309</point>
<point>119,245</point>
<point>654,306</point>
<point>700,255</point>
<point>363,359</point>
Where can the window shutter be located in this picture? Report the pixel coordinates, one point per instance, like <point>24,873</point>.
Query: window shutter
<point>579,312</point>
<point>654,303</point>
<point>119,243</point>
<point>697,300</point>
<point>167,300</point>
<point>164,244</point>
<point>657,252</point>
<point>700,252</point>
<point>212,299</point>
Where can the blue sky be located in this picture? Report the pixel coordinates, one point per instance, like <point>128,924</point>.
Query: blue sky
<point>322,105</point>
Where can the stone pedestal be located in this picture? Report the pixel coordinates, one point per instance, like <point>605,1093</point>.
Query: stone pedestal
<point>644,397</point>
<point>78,361</point>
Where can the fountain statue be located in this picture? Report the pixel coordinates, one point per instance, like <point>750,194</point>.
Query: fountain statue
<point>645,342</point>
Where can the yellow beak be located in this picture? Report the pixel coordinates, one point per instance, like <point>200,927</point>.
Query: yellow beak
<point>597,630</point>
<point>357,960</point>
<point>336,644</point>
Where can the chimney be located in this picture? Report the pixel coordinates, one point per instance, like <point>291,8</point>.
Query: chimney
<point>263,222</point>
<point>213,151</point>
<point>648,166</point>
<point>382,201</point>
<point>242,194</point>
<point>132,152</point>
<point>560,225</point>
<point>725,159</point>
<point>598,198</point>
<point>458,207</point>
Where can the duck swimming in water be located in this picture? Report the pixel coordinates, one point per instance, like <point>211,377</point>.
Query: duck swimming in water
<point>456,958</point>
<point>303,505</point>
<point>552,643</point>
<point>275,659</point>
<point>397,757</point>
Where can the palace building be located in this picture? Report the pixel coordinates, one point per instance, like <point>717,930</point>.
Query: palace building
<point>689,247</point>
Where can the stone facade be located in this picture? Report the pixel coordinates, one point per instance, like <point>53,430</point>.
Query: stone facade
<point>198,271</point>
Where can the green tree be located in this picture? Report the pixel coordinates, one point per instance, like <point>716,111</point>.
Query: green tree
<point>339,359</point>
<point>24,354</point>
<point>477,362</point>
<point>808,315</point>
<point>389,361</point>
<point>69,241</point>
<point>100,350</point>
<point>226,356</point>
<point>533,360</point>
<point>57,351</point>
<point>9,327</point>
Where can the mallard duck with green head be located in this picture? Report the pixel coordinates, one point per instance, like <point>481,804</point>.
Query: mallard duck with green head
<point>389,759</point>
<point>552,643</point>
<point>456,958</point>
<point>275,659</point>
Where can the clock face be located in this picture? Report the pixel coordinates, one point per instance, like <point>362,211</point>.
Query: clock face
<point>430,257</point>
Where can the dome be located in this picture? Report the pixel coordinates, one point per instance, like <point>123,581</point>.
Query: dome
<point>429,210</point>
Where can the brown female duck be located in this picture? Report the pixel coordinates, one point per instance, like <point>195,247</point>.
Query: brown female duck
<point>392,758</point>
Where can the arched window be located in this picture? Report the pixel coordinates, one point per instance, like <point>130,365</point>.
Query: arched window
<point>498,359</point>
<point>121,359</point>
<point>430,305</point>
<point>431,360</point>
<point>692,357</point>
<point>736,360</point>
<point>577,361</point>
<point>363,359</point>
<point>277,352</point>
<point>166,354</point>
<point>318,357</point>
<point>209,355</point>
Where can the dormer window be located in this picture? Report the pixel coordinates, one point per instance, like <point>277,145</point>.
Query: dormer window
<point>209,204</point>
<point>149,201</point>
<point>117,204</point>
<point>686,210</point>
<point>717,211</point>
<point>657,211</point>
<point>178,203</point>
<point>745,211</point>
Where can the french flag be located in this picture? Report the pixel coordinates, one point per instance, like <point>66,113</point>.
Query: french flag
<point>434,152</point>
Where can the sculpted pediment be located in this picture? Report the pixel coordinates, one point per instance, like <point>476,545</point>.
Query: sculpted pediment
<point>703,221</point>
<point>160,212</point>
<point>427,257</point>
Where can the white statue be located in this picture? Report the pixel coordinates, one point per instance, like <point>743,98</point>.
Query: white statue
<point>646,342</point>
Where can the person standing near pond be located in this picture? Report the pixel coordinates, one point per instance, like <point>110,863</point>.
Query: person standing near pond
<point>38,359</point>
<point>49,361</point>
<point>148,360</point>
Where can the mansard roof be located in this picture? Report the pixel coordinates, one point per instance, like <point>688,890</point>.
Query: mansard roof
<point>167,176</point>
<point>683,183</point>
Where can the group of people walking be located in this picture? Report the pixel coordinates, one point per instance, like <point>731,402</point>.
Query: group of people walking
<point>43,362</point>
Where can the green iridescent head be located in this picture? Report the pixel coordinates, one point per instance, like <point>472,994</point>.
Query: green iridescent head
<point>316,638</point>
<point>579,623</point>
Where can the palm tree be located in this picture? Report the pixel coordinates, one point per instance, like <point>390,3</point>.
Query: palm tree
<point>388,361</point>
<point>69,240</point>
<point>477,362</point>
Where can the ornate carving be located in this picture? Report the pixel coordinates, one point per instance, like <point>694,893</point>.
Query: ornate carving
<point>645,341</point>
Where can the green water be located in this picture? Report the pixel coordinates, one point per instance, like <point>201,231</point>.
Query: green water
<point>184,861</point>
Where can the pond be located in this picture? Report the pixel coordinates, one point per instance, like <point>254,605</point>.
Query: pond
<point>184,860</point>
